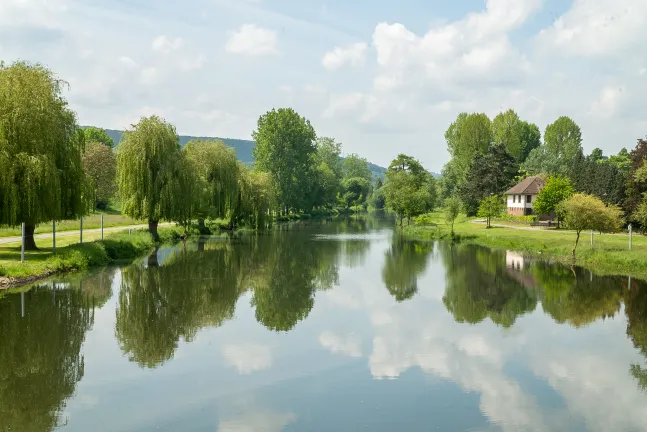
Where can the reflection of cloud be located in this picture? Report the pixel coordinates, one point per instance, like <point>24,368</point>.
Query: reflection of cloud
<point>337,344</point>
<point>248,358</point>
<point>597,387</point>
<point>258,421</point>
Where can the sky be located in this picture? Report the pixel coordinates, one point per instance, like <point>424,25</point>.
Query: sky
<point>382,77</point>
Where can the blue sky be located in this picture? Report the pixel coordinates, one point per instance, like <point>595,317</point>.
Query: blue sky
<point>382,77</point>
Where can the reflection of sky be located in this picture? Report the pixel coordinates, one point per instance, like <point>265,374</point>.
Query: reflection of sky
<point>361,361</point>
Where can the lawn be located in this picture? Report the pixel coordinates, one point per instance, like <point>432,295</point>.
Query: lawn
<point>112,217</point>
<point>609,255</point>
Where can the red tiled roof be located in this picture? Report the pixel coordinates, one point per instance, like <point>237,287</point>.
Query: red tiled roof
<point>530,185</point>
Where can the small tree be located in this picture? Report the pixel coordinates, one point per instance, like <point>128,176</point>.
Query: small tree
<point>93,134</point>
<point>640,214</point>
<point>100,164</point>
<point>491,207</point>
<point>587,212</point>
<point>452,210</point>
<point>556,190</point>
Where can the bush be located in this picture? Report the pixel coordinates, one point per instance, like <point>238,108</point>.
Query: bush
<point>522,219</point>
<point>123,246</point>
<point>424,220</point>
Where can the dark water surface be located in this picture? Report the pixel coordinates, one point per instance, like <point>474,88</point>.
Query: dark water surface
<point>338,326</point>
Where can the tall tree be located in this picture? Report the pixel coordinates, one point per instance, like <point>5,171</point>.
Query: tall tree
<point>635,184</point>
<point>284,148</point>
<point>541,161</point>
<point>100,164</point>
<point>408,188</point>
<point>93,134</point>
<point>257,198</point>
<point>563,138</point>
<point>355,191</point>
<point>217,169</point>
<point>488,174</point>
<point>596,176</point>
<point>329,151</point>
<point>469,135</point>
<point>530,138</point>
<point>556,190</point>
<point>148,167</point>
<point>356,167</point>
<point>621,160</point>
<point>507,130</point>
<point>41,173</point>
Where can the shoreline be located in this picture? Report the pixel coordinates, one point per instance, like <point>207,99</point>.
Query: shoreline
<point>609,255</point>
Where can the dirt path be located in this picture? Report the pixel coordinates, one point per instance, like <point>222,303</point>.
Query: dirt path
<point>77,233</point>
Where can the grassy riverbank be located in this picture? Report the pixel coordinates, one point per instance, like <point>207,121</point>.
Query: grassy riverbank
<point>114,247</point>
<point>609,255</point>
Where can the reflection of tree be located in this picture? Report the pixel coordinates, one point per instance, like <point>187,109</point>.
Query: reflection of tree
<point>404,262</point>
<point>158,305</point>
<point>478,286</point>
<point>636,310</point>
<point>40,361</point>
<point>295,269</point>
<point>97,287</point>
<point>573,296</point>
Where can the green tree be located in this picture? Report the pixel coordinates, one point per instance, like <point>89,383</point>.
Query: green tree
<point>284,148</point>
<point>541,161</point>
<point>622,161</point>
<point>100,165</point>
<point>597,155</point>
<point>490,173</point>
<point>149,164</point>
<point>409,190</point>
<point>355,190</point>
<point>448,183</point>
<point>640,215</point>
<point>93,134</point>
<point>530,139</point>
<point>595,176</point>
<point>257,198</point>
<point>356,167</point>
<point>41,173</point>
<point>491,207</point>
<point>507,130</point>
<point>217,172</point>
<point>469,135</point>
<point>452,210</point>
<point>635,186</point>
<point>329,151</point>
<point>563,138</point>
<point>557,189</point>
<point>587,212</point>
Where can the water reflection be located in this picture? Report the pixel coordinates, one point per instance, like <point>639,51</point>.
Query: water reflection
<point>41,333</point>
<point>404,262</point>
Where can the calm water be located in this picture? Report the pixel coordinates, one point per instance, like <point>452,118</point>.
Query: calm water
<point>326,327</point>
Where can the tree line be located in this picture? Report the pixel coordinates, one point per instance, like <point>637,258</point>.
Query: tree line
<point>51,169</point>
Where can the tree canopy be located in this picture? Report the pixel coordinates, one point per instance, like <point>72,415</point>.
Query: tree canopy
<point>93,134</point>
<point>557,189</point>
<point>41,173</point>
<point>467,136</point>
<point>285,143</point>
<point>100,164</point>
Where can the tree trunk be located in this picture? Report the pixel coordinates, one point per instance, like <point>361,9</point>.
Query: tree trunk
<point>30,243</point>
<point>152,228</point>
<point>577,240</point>
<point>152,259</point>
<point>201,246</point>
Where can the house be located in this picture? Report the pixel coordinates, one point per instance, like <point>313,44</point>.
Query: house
<point>522,195</point>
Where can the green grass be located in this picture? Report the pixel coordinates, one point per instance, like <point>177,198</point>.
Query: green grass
<point>609,255</point>
<point>72,257</point>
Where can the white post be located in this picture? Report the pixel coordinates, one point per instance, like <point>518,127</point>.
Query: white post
<point>629,284</point>
<point>128,231</point>
<point>591,238</point>
<point>630,236</point>
<point>102,227</point>
<point>81,231</point>
<point>54,236</point>
<point>22,304</point>
<point>22,245</point>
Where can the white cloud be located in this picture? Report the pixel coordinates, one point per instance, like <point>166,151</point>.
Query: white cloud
<point>257,421</point>
<point>350,345</point>
<point>252,40</point>
<point>598,27</point>
<point>165,45</point>
<point>194,63</point>
<point>607,104</point>
<point>354,55</point>
<point>149,76</point>
<point>248,358</point>
<point>45,13</point>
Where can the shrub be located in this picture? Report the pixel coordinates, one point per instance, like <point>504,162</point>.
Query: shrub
<point>521,219</point>
<point>424,220</point>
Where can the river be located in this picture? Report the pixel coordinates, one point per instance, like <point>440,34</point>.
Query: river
<point>335,326</point>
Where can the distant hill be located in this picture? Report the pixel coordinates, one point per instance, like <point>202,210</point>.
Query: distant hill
<point>243,149</point>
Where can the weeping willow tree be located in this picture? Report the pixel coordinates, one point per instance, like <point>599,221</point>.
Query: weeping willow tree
<point>256,198</point>
<point>152,175</point>
<point>41,173</point>
<point>216,168</point>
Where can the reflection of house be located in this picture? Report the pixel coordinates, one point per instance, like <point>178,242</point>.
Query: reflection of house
<point>514,260</point>
<point>522,195</point>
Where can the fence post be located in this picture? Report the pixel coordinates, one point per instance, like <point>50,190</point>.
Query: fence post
<point>22,304</point>
<point>102,227</point>
<point>591,238</point>
<point>81,239</point>
<point>630,236</point>
<point>22,244</point>
<point>54,236</point>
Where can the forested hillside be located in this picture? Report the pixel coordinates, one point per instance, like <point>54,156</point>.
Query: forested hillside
<point>243,149</point>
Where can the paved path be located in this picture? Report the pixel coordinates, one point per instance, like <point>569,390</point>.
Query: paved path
<point>77,233</point>
<point>561,231</point>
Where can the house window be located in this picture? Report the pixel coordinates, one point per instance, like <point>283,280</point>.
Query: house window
<point>514,199</point>
<point>519,198</point>
<point>529,198</point>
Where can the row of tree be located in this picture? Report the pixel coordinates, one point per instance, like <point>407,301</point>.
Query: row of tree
<point>51,169</point>
<point>488,157</point>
